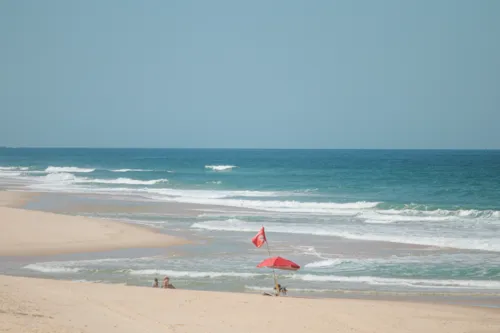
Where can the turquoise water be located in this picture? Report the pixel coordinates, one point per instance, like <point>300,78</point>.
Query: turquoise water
<point>362,219</point>
<point>425,179</point>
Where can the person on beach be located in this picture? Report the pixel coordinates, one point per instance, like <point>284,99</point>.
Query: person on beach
<point>280,290</point>
<point>155,283</point>
<point>277,291</point>
<point>167,284</point>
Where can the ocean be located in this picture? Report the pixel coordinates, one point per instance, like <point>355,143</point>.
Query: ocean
<point>369,221</point>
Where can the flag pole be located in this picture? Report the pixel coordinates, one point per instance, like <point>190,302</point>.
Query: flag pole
<point>274,271</point>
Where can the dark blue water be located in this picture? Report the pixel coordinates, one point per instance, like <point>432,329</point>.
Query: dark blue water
<point>430,179</point>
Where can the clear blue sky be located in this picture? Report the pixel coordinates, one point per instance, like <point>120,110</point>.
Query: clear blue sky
<point>263,74</point>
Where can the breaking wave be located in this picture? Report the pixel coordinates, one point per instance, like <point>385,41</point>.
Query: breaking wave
<point>415,283</point>
<point>220,167</point>
<point>17,168</point>
<point>51,268</point>
<point>53,169</point>
<point>64,177</point>
<point>60,177</point>
<point>334,231</point>
<point>12,171</point>
<point>330,208</point>
<point>438,215</point>
<point>325,263</point>
<point>126,181</point>
<point>130,170</point>
<point>9,174</point>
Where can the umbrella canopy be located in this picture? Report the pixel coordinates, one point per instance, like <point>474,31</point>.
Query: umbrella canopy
<point>279,263</point>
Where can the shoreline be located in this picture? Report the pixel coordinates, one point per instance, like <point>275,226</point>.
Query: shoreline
<point>30,232</point>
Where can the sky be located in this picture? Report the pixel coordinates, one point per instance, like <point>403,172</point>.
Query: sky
<point>410,74</point>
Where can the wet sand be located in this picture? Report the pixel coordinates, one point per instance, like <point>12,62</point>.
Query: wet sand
<point>26,232</point>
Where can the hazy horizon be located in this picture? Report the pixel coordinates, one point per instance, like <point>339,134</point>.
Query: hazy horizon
<point>279,75</point>
<point>254,148</point>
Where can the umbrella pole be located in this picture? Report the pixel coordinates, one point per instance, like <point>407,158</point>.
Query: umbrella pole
<point>274,271</point>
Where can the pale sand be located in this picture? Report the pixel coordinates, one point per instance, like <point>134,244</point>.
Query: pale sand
<point>24,232</point>
<point>37,305</point>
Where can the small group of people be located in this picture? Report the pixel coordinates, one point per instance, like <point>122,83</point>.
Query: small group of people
<point>278,289</point>
<point>166,283</point>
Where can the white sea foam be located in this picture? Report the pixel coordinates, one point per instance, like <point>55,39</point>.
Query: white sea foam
<point>78,265</point>
<point>130,170</point>
<point>440,214</point>
<point>194,274</point>
<point>14,168</point>
<point>290,206</point>
<point>195,196</point>
<point>415,283</point>
<point>484,244</point>
<point>383,217</point>
<point>325,263</point>
<point>60,177</point>
<point>54,169</point>
<point>65,178</point>
<point>44,268</point>
<point>12,171</point>
<point>8,174</point>
<point>126,181</point>
<point>220,167</point>
<point>160,194</point>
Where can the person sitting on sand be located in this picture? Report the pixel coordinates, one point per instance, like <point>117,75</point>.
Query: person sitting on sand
<point>280,290</point>
<point>167,284</point>
<point>155,284</point>
<point>277,291</point>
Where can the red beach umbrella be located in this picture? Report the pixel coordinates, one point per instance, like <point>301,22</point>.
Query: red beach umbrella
<point>279,263</point>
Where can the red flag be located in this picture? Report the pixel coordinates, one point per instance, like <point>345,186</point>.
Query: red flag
<point>260,238</point>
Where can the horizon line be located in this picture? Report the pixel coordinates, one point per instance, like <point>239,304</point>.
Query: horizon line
<point>235,148</point>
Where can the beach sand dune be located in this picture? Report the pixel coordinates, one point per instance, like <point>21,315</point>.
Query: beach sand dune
<point>38,305</point>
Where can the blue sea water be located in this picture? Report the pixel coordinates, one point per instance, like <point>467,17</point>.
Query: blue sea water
<point>395,178</point>
<point>437,213</point>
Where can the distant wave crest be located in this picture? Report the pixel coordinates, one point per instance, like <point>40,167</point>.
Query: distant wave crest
<point>220,167</point>
<point>130,170</point>
<point>64,178</point>
<point>14,168</point>
<point>54,169</point>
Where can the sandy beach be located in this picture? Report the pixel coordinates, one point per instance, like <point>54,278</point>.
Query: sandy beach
<point>38,305</point>
<point>27,232</point>
<point>42,305</point>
